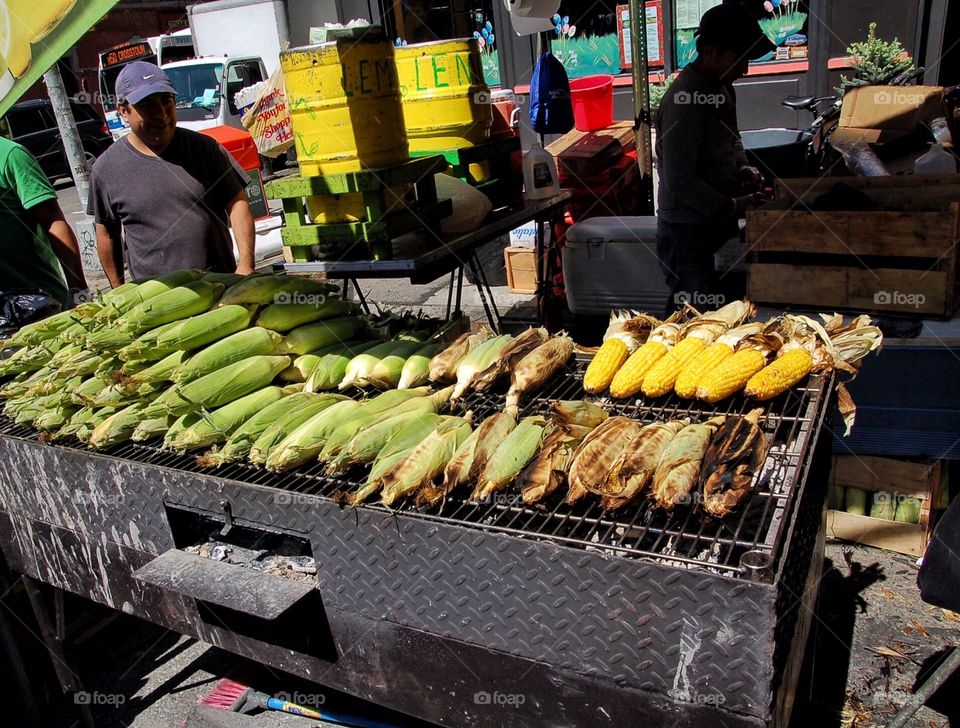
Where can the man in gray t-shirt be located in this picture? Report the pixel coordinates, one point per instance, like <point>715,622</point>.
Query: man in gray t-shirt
<point>165,194</point>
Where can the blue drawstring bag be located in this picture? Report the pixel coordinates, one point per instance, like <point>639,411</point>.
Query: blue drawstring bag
<point>551,111</point>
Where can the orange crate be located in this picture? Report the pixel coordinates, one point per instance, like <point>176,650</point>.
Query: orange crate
<point>521,269</point>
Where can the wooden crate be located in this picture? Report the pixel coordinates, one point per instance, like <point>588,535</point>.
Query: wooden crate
<point>521,269</point>
<point>900,259</point>
<point>925,481</point>
<point>588,153</point>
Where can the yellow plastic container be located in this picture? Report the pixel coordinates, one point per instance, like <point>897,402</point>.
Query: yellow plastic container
<point>446,104</point>
<point>345,106</point>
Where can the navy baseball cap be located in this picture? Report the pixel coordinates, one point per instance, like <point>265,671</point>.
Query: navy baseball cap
<point>140,79</point>
<point>732,28</point>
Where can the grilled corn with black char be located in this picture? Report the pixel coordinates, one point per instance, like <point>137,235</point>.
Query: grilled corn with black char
<point>634,469</point>
<point>425,462</point>
<point>537,367</point>
<point>512,456</point>
<point>678,471</point>
<point>597,454</point>
<point>509,357</point>
<point>735,455</point>
<point>577,412</point>
<point>548,471</point>
<point>443,366</point>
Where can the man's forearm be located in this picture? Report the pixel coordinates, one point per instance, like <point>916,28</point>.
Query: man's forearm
<point>244,232</point>
<point>110,253</point>
<point>67,250</point>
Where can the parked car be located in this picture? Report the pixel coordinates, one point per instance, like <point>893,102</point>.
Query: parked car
<point>32,124</point>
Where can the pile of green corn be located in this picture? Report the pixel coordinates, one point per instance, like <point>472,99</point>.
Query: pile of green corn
<point>880,504</point>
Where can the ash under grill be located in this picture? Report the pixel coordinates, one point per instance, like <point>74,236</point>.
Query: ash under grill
<point>687,536</point>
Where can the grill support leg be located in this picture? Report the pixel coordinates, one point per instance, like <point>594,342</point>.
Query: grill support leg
<point>933,683</point>
<point>69,681</point>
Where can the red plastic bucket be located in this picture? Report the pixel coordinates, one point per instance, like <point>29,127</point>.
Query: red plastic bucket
<point>592,98</point>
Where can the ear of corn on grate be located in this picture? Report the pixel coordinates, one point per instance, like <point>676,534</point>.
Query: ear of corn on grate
<point>274,433</point>
<point>284,317</point>
<point>243,438</point>
<point>425,462</point>
<point>332,367</point>
<point>221,386</point>
<point>305,442</point>
<point>387,372</point>
<point>578,412</point>
<point>662,376</point>
<point>712,356</point>
<point>604,365</point>
<point>236,347</point>
<point>512,456</point>
<point>173,305</point>
<point>161,371</point>
<point>215,427</point>
<point>205,328</point>
<point>263,289</point>
<point>55,418</point>
<point>363,367</point>
<point>492,431</point>
<point>108,339</point>
<point>309,337</point>
<point>145,347</point>
<point>478,360</point>
<point>117,428</point>
<point>443,366</point>
<point>781,374</point>
<point>730,376</point>
<point>153,427</point>
<point>455,474</point>
<point>629,378</point>
<point>537,367</point>
<point>365,446</point>
<point>416,369</point>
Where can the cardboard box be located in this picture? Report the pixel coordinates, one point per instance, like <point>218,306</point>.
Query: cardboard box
<point>877,114</point>
<point>521,269</point>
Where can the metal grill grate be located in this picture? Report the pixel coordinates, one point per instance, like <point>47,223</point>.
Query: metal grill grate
<point>685,537</point>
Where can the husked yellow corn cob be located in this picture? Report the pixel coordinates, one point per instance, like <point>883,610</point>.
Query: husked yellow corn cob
<point>780,375</point>
<point>731,375</point>
<point>661,377</point>
<point>694,370</point>
<point>604,365</point>
<point>629,378</point>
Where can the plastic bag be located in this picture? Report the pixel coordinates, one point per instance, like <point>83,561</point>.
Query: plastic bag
<point>21,307</point>
<point>470,205</point>
<point>551,111</point>
<point>268,121</point>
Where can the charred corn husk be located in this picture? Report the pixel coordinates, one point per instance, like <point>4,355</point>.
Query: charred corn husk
<point>508,357</point>
<point>625,333</point>
<point>511,457</point>
<point>712,356</point>
<point>284,317</point>
<point>393,453</point>
<point>577,413</point>
<point>205,328</point>
<point>597,454</point>
<point>477,361</point>
<point>455,474</point>
<point>443,366</point>
<point>537,367</point>
<point>735,455</point>
<point>173,305</point>
<point>236,347</point>
<point>678,471</point>
<point>548,471</point>
<point>275,433</point>
<point>416,369</point>
<point>216,426</point>
<point>425,462</point>
<point>629,378</point>
<point>633,470</point>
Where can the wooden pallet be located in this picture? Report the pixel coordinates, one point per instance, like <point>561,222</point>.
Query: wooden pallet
<point>503,159</point>
<point>900,258</point>
<point>385,218</point>
<point>590,153</point>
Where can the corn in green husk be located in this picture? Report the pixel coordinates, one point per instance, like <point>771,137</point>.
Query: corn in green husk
<point>443,366</point>
<point>883,506</point>
<point>215,427</point>
<point>371,411</point>
<point>478,361</point>
<point>145,346</point>
<point>81,365</point>
<point>55,418</point>
<point>301,369</point>
<point>309,337</point>
<point>425,462</point>
<point>117,427</point>
<point>263,289</point>
<point>124,298</point>
<point>285,317</point>
<point>512,456</point>
<point>493,431</point>
<point>332,367</point>
<point>108,339</point>
<point>386,373</point>
<point>455,474</point>
<point>158,372</point>
<point>116,395</point>
<point>236,347</point>
<point>227,279</point>
<point>305,442</point>
<point>243,438</point>
<point>153,427</point>
<point>578,412</point>
<point>42,330</point>
<point>362,366</point>
<point>416,370</point>
<point>84,430</point>
<point>205,328</point>
<point>220,387</point>
<point>173,305</point>
<point>274,434</point>
<point>908,510</point>
<point>369,440</point>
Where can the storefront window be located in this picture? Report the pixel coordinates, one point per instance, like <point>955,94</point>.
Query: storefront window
<point>785,25</point>
<point>423,21</point>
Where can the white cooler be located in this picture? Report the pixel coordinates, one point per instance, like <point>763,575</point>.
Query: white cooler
<point>611,262</point>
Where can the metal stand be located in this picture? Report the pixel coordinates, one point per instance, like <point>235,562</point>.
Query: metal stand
<point>360,296</point>
<point>69,681</point>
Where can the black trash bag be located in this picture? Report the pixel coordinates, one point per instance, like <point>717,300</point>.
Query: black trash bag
<point>23,306</point>
<point>939,577</point>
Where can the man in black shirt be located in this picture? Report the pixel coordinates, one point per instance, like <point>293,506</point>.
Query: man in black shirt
<point>168,191</point>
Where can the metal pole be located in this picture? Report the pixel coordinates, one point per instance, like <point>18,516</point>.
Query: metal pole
<point>933,683</point>
<point>68,132</point>
<point>642,121</point>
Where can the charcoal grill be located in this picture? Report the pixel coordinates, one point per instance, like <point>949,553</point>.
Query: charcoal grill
<point>470,614</point>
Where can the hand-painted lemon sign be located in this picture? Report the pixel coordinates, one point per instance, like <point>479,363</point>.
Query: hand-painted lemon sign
<point>33,35</point>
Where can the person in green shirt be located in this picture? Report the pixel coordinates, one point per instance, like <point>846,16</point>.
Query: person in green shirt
<point>34,235</point>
